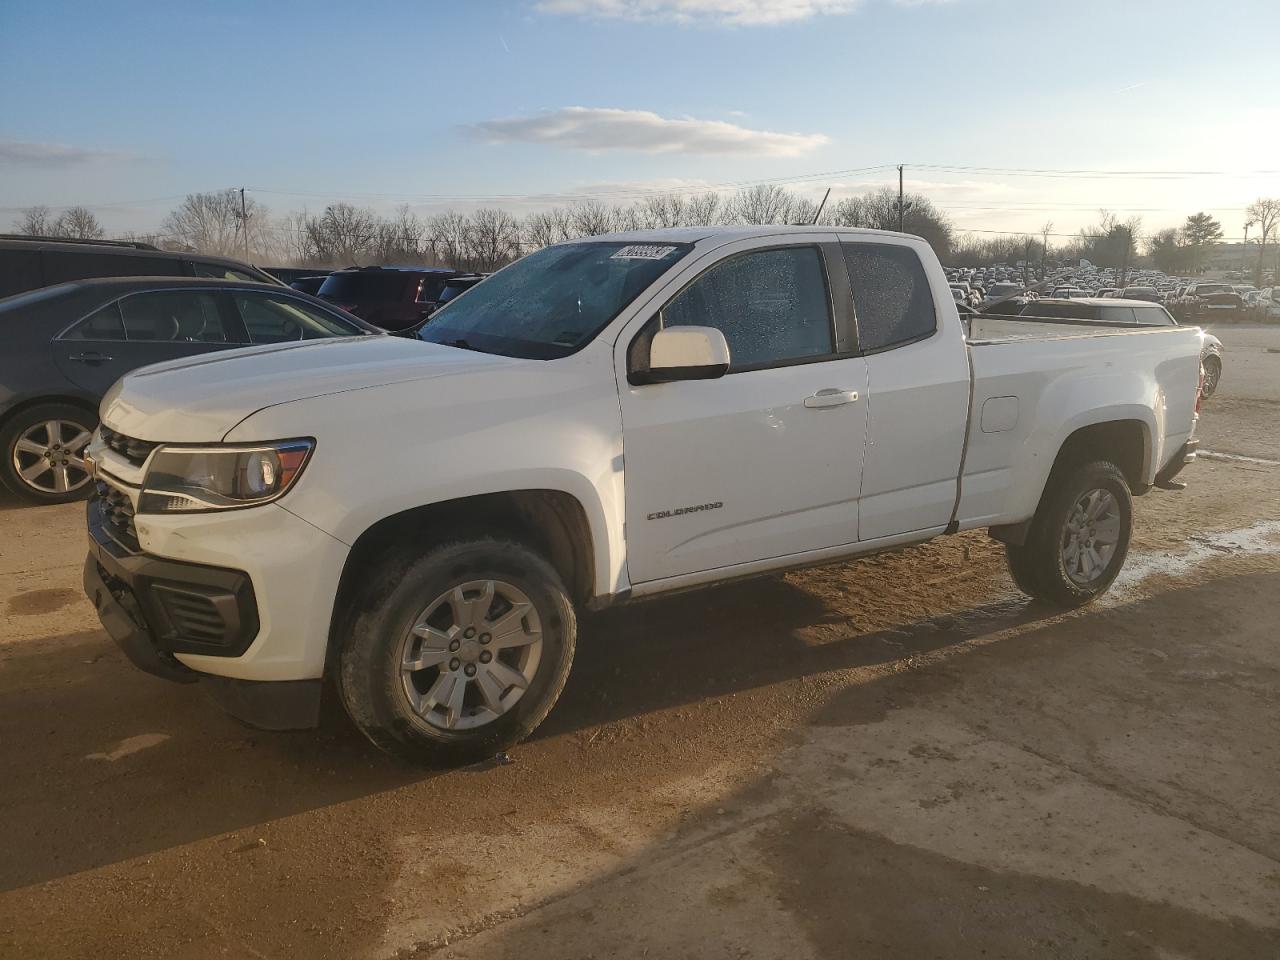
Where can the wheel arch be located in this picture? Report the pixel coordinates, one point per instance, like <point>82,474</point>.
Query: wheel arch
<point>552,522</point>
<point>1124,442</point>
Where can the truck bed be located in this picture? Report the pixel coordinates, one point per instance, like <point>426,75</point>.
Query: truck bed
<point>982,329</point>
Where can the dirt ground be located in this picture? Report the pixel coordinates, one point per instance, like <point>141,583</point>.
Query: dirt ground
<point>893,758</point>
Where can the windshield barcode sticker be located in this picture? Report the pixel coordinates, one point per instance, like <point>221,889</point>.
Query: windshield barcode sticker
<point>642,251</point>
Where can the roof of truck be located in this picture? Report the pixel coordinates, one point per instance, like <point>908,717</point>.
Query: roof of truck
<point>742,232</point>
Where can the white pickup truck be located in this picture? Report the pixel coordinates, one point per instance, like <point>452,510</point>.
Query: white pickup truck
<point>418,519</point>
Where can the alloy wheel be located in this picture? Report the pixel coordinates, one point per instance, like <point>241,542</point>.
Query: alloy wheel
<point>1091,536</point>
<point>471,654</point>
<point>49,456</point>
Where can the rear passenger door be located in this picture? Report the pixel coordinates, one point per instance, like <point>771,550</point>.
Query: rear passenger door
<point>918,392</point>
<point>139,329</point>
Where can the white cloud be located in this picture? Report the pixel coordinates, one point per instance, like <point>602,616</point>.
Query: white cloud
<point>601,129</point>
<point>26,153</point>
<point>735,12</point>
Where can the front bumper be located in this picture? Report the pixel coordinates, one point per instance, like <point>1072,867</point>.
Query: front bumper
<point>258,652</point>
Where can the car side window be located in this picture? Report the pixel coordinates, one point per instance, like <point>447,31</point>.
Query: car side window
<point>104,324</point>
<point>771,305</point>
<point>891,295</point>
<point>274,319</point>
<point>167,316</point>
<point>1116,314</point>
<point>216,271</point>
<point>1155,316</point>
<point>60,267</point>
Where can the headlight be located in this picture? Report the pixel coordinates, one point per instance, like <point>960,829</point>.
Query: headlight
<point>196,479</point>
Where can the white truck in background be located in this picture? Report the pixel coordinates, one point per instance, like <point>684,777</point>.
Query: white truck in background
<point>419,519</point>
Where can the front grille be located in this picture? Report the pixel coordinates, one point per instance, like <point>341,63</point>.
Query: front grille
<point>117,514</point>
<point>135,451</point>
<point>194,618</point>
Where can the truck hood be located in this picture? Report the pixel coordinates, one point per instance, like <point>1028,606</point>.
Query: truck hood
<point>199,399</point>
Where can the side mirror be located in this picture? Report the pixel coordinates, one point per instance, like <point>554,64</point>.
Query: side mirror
<point>685,353</point>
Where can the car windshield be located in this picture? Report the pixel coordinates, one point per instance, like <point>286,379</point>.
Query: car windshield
<point>552,302</point>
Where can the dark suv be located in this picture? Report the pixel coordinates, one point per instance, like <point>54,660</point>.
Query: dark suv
<point>28,263</point>
<point>394,298</point>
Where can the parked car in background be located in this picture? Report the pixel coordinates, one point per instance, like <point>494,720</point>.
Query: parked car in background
<point>28,263</point>
<point>287,275</point>
<point>1203,302</point>
<point>62,347</point>
<point>1148,294</point>
<point>393,298</point>
<point>455,287</point>
<point>309,285</point>
<point>1269,304</point>
<point>1132,312</point>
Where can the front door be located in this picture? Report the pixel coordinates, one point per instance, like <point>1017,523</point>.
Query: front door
<point>765,461</point>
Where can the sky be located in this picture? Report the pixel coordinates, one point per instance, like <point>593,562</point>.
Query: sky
<point>1006,113</point>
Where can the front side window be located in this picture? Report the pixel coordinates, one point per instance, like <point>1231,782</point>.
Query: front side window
<point>271,319</point>
<point>771,305</point>
<point>891,295</point>
<point>104,324</point>
<point>185,316</point>
<point>553,302</point>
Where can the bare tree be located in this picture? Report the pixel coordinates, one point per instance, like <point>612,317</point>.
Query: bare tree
<point>343,234</point>
<point>78,223</point>
<point>763,203</point>
<point>1265,214</point>
<point>35,222</point>
<point>447,233</point>
<point>212,223</point>
<point>592,218</point>
<point>493,239</point>
<point>705,209</point>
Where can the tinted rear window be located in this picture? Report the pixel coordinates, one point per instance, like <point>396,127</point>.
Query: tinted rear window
<point>366,286</point>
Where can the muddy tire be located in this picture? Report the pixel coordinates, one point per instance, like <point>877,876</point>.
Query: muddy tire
<point>42,450</point>
<point>459,653</point>
<point>1212,374</point>
<point>1079,538</point>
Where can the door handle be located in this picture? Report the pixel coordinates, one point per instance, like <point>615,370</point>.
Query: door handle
<point>90,358</point>
<point>831,397</point>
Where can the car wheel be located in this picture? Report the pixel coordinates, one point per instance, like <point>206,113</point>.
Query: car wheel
<point>43,453</point>
<point>460,654</point>
<point>1212,374</point>
<point>1079,538</point>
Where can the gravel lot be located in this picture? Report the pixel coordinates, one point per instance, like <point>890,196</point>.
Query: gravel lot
<point>897,757</point>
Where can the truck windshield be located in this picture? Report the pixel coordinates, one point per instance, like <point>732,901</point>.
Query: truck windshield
<point>552,302</point>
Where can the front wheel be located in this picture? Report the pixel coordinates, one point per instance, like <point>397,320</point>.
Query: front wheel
<point>460,653</point>
<point>1079,538</point>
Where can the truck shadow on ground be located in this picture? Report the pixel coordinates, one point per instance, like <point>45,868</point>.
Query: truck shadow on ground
<point>100,762</point>
<point>730,873</point>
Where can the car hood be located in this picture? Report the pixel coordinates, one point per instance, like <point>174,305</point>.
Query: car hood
<point>200,399</point>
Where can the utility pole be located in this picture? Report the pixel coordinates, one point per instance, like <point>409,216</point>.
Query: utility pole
<point>1244,251</point>
<point>244,225</point>
<point>901,208</point>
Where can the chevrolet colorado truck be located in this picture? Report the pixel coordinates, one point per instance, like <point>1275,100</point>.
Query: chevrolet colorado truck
<point>418,520</point>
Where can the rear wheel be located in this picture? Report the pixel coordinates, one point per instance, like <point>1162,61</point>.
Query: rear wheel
<point>43,452</point>
<point>459,654</point>
<point>1079,538</point>
<point>1212,374</point>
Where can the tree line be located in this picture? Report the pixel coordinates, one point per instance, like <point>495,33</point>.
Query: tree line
<point>343,234</point>
<point>222,223</point>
